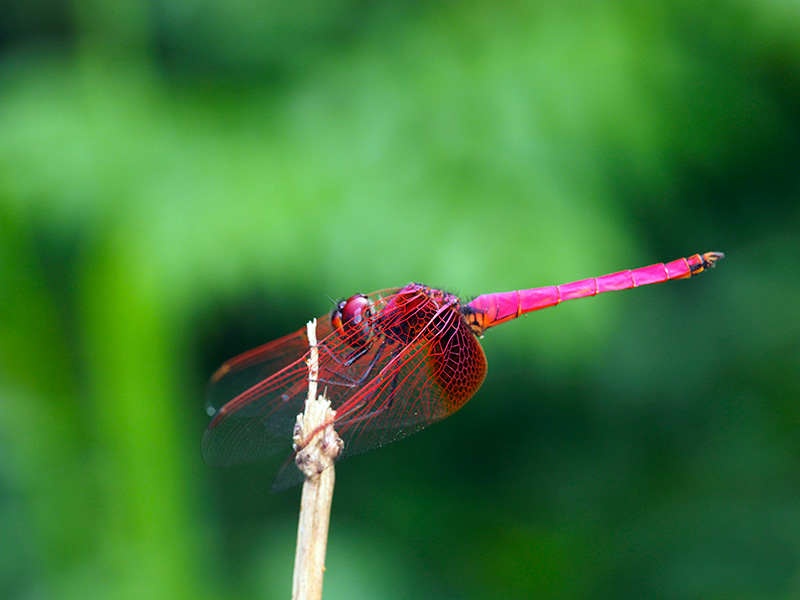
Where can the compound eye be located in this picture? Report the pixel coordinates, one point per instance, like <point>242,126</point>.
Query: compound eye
<point>355,309</point>
<point>352,317</point>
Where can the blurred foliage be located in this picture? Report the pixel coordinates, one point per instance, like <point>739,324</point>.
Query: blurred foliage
<point>181,181</point>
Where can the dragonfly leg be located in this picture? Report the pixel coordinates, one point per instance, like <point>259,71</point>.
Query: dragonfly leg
<point>344,380</point>
<point>356,355</point>
<point>327,352</point>
<point>387,403</point>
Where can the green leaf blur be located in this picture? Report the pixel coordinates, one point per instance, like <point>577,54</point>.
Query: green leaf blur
<point>182,181</point>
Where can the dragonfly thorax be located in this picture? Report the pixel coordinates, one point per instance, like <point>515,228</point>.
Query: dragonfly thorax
<point>413,309</point>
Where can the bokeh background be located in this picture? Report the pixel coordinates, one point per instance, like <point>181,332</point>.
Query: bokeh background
<point>182,180</point>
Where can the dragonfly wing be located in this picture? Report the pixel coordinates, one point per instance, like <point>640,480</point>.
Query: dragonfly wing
<point>383,388</point>
<point>267,388</point>
<point>257,422</point>
<point>420,384</point>
<point>262,391</point>
<point>242,372</point>
<point>428,380</point>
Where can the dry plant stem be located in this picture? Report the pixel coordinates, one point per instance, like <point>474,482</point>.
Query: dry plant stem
<point>317,447</point>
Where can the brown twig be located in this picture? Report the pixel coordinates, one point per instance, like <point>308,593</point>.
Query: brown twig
<point>317,447</point>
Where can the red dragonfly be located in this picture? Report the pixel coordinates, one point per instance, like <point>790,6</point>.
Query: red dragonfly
<point>390,362</point>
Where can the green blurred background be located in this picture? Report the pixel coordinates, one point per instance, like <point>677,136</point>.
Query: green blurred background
<point>183,180</point>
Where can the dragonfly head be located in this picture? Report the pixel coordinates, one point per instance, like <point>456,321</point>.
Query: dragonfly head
<point>352,316</point>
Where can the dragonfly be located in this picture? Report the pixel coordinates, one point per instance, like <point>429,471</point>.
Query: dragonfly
<point>391,363</point>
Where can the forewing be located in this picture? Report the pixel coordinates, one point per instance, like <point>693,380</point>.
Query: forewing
<point>426,381</point>
<point>245,371</point>
<point>264,390</point>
